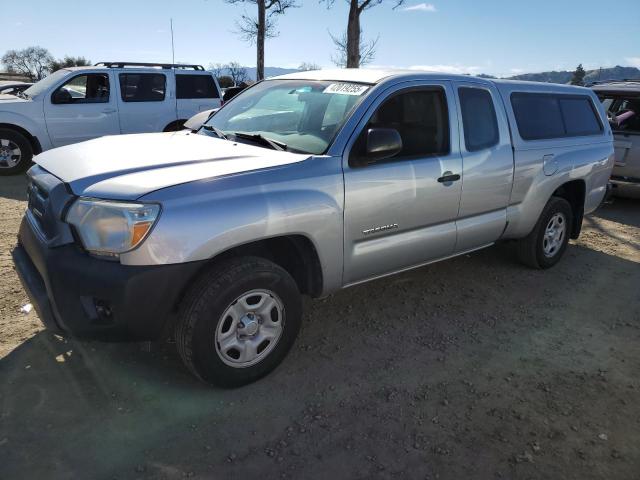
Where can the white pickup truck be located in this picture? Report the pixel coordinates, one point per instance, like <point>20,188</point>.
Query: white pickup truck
<point>77,104</point>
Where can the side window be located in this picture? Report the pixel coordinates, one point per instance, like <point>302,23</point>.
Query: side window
<point>478,119</point>
<point>196,86</point>
<point>541,115</point>
<point>89,88</point>
<point>579,116</point>
<point>420,117</point>
<point>537,116</point>
<point>142,87</point>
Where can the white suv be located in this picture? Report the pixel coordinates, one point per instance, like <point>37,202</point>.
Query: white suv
<point>81,103</point>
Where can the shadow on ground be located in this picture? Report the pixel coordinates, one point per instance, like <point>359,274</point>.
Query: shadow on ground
<point>621,210</point>
<point>471,368</point>
<point>14,187</point>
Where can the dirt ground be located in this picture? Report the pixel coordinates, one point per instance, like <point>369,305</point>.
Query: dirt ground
<point>472,368</point>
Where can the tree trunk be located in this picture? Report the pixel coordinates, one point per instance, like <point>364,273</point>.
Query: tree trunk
<point>353,36</point>
<point>262,25</point>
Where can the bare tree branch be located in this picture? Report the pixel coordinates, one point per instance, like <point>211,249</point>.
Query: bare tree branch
<point>357,52</point>
<point>367,50</point>
<point>237,72</point>
<point>255,30</point>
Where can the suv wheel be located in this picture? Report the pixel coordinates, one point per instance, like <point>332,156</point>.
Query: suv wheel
<point>238,322</point>
<point>15,152</point>
<point>546,244</point>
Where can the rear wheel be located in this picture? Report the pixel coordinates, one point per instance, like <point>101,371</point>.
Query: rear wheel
<point>15,152</point>
<point>546,244</point>
<point>238,322</point>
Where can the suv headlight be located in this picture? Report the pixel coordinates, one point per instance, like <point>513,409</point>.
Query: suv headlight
<point>110,228</point>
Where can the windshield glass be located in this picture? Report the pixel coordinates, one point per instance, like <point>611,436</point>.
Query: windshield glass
<point>304,115</point>
<point>45,83</point>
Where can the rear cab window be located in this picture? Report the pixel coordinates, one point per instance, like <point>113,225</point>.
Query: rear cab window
<point>142,87</point>
<point>196,86</point>
<point>542,116</point>
<point>479,119</point>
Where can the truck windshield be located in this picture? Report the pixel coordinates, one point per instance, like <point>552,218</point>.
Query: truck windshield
<point>44,84</point>
<point>302,115</point>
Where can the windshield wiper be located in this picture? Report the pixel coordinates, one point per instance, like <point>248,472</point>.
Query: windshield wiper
<point>258,138</point>
<point>217,131</point>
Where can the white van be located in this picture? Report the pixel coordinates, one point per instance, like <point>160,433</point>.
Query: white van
<point>77,104</point>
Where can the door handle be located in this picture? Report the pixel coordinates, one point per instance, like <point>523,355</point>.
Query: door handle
<point>109,110</point>
<point>449,177</point>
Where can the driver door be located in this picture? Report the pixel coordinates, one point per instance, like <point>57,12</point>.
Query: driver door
<point>82,108</point>
<point>401,212</point>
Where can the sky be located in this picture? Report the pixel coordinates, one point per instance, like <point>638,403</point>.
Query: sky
<point>498,37</point>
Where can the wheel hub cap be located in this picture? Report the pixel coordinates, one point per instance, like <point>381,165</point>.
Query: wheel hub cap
<point>249,328</point>
<point>9,153</point>
<point>554,235</point>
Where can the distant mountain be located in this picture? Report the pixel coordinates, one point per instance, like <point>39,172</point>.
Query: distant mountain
<point>268,71</point>
<point>613,73</point>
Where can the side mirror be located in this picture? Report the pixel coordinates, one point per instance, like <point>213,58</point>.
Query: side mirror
<point>383,143</point>
<point>61,96</point>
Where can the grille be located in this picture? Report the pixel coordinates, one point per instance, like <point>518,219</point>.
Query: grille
<point>46,199</point>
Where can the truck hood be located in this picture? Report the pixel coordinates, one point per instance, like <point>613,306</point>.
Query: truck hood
<point>127,167</point>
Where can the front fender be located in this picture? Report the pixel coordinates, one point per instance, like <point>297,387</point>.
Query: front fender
<point>203,219</point>
<point>34,126</point>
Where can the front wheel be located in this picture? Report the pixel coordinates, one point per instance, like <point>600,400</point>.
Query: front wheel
<point>546,244</point>
<point>238,322</point>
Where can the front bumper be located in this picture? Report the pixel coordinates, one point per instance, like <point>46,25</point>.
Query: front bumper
<point>76,293</point>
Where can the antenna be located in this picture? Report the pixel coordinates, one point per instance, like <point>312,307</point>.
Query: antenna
<point>173,50</point>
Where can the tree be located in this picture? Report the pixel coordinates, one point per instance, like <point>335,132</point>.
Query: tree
<point>67,62</point>
<point>32,62</point>
<point>578,76</point>
<point>306,66</point>
<point>257,29</point>
<point>367,50</point>
<point>237,72</point>
<point>217,69</point>
<point>353,42</point>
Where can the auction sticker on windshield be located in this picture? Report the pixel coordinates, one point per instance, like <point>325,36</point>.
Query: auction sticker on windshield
<point>346,88</point>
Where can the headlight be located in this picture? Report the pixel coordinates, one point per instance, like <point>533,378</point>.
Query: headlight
<point>111,228</point>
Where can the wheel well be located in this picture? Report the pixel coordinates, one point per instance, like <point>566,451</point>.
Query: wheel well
<point>174,126</point>
<point>295,253</point>
<point>35,144</point>
<point>574,193</point>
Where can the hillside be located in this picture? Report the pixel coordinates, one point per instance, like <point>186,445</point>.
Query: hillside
<point>613,73</point>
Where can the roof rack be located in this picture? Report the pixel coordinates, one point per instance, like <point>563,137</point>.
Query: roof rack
<point>143,64</point>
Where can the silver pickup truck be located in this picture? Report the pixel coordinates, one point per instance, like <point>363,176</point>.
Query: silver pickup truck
<point>302,184</point>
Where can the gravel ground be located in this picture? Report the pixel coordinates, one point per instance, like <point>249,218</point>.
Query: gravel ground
<point>472,368</point>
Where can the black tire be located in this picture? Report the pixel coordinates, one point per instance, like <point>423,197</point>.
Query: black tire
<point>201,313</point>
<point>26,151</point>
<point>531,248</point>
